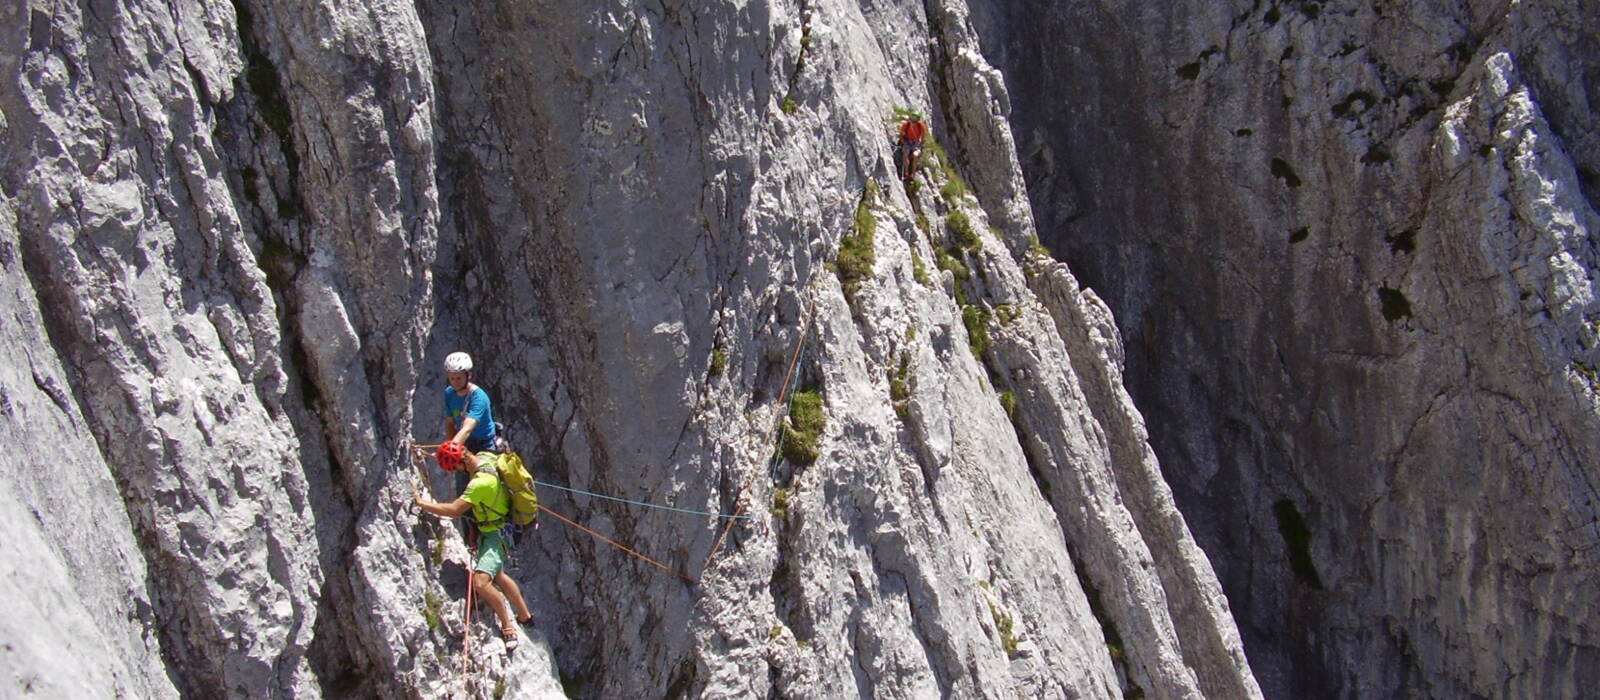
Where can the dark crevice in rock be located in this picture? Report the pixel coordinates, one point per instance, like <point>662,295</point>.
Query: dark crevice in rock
<point>785,587</point>
<point>789,104</point>
<point>1403,242</point>
<point>1115,647</point>
<point>1394,304</point>
<point>1281,169</point>
<point>684,681</point>
<point>271,106</point>
<point>339,672</point>
<point>1297,542</point>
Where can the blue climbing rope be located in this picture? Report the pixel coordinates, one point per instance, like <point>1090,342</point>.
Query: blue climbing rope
<point>641,503</point>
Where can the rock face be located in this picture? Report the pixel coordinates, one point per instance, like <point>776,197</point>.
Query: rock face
<point>1351,250</point>
<point>240,236</point>
<point>237,239</point>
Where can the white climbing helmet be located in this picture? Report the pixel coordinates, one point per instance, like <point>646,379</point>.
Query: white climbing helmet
<point>458,362</point>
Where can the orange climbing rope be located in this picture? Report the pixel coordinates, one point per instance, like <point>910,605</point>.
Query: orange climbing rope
<point>421,451</point>
<point>614,543</point>
<point>783,393</point>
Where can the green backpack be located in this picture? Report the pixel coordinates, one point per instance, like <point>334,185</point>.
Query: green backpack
<point>515,478</point>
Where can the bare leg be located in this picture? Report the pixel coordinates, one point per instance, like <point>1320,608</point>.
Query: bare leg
<point>514,592</point>
<point>486,591</point>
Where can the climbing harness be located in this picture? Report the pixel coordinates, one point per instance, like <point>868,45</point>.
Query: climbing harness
<point>421,451</point>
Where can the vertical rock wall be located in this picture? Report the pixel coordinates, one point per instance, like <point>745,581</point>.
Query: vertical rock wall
<point>239,237</point>
<point>1351,247</point>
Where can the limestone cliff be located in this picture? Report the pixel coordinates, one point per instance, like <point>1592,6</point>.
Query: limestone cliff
<point>1351,249</point>
<point>238,238</point>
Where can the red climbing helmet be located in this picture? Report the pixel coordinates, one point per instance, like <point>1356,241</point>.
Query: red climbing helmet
<point>449,455</point>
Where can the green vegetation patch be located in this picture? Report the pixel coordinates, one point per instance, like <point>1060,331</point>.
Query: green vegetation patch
<point>955,187</point>
<point>856,251</point>
<point>919,271</point>
<point>719,361</point>
<point>1590,373</point>
<point>801,433</point>
<point>1008,401</point>
<point>780,503</point>
<point>1037,249</point>
<point>961,230</point>
<point>977,322</point>
<point>1007,628</point>
<point>432,606</point>
<point>952,191</point>
<point>951,260</point>
<point>900,114</point>
<point>1007,313</point>
<point>900,388</point>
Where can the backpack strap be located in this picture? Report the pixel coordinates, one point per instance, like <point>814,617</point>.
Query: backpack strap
<point>500,518</point>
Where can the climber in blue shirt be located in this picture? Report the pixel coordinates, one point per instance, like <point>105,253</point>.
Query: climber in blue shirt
<point>468,415</point>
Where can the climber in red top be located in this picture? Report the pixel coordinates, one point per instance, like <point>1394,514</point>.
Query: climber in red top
<point>909,148</point>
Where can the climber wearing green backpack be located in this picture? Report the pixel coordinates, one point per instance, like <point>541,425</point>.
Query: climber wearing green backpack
<point>490,500</point>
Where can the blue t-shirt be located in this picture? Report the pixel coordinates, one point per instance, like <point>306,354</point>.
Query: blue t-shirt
<point>474,405</point>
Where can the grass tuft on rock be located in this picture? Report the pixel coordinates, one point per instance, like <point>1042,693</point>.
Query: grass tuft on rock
<point>1007,629</point>
<point>899,388</point>
<point>961,230</point>
<point>1037,249</point>
<point>1007,313</point>
<point>1008,401</point>
<point>977,322</point>
<point>804,428</point>
<point>780,503</point>
<point>432,606</point>
<point>856,252</point>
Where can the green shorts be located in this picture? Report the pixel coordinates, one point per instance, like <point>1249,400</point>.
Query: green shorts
<point>491,553</point>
